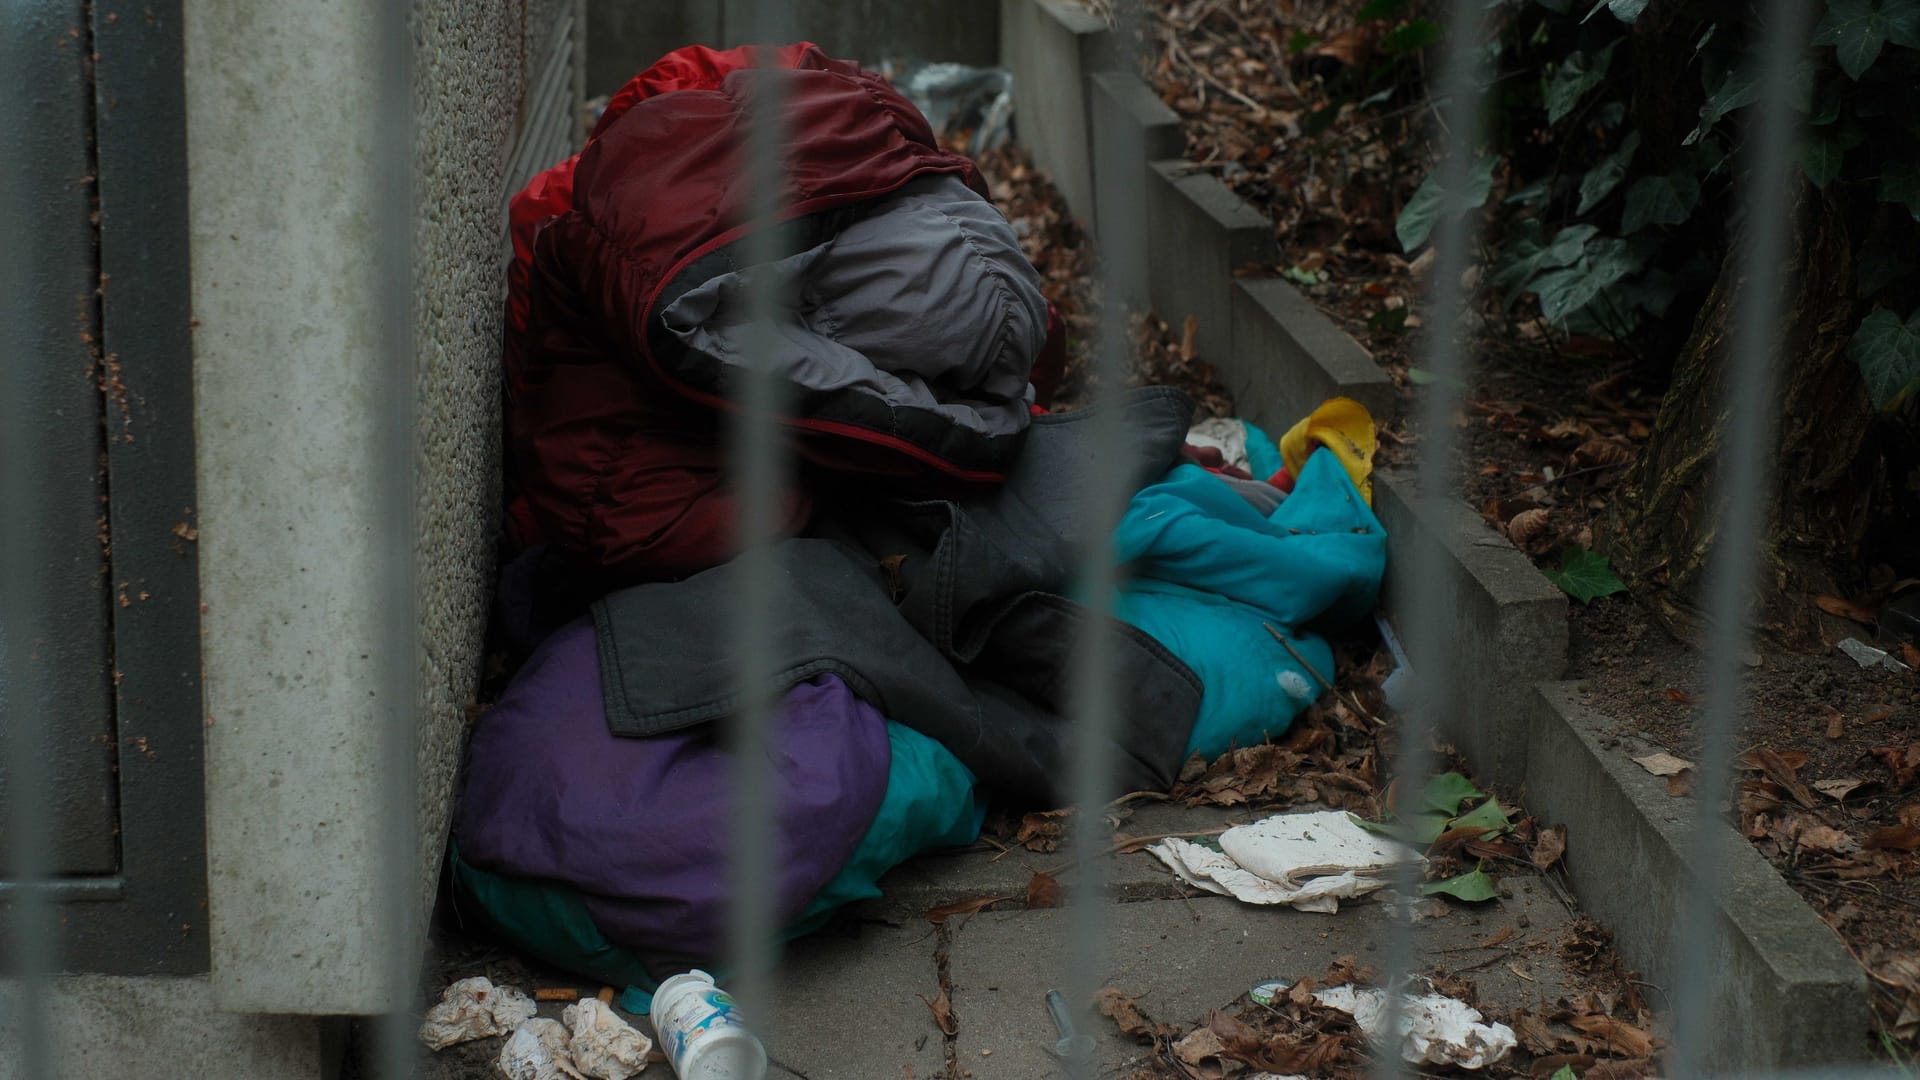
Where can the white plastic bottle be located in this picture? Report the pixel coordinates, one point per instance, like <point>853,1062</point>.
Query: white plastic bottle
<point>702,1033</point>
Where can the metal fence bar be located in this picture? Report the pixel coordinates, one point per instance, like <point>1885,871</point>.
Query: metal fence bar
<point>1751,377</point>
<point>30,310</point>
<point>758,464</point>
<point>1120,200</point>
<point>395,464</point>
<point>1462,73</point>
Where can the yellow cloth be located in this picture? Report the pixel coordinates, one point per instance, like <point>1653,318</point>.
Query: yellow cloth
<point>1343,426</point>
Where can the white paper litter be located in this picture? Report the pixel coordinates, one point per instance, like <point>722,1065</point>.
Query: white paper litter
<point>537,1050</point>
<point>1867,656</point>
<point>1434,1029</point>
<point>603,1045</point>
<point>1308,861</point>
<point>1225,434</point>
<point>474,1009</point>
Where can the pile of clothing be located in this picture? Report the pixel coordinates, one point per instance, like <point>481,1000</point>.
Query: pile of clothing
<point>924,621</point>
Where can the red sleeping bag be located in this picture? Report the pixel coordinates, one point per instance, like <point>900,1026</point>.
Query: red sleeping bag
<point>908,348</point>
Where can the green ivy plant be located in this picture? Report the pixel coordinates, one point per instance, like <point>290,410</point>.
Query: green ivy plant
<point>1605,248</point>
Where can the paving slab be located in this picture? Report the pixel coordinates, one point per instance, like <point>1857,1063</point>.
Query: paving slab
<point>1183,957</point>
<point>849,1005</point>
<point>983,870</point>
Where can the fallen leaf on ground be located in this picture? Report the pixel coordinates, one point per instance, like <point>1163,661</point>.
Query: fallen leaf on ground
<point>1123,1011</point>
<point>1200,1047</point>
<point>1679,696</point>
<point>1825,838</point>
<point>1551,844</point>
<point>1846,609</point>
<point>1901,837</point>
<point>942,1008</point>
<point>1526,527</point>
<point>1904,763</point>
<point>1837,788</point>
<point>1782,769</point>
<point>1618,1034</point>
<point>1911,654</point>
<point>964,907</point>
<point>1534,1034</point>
<point>1680,784</point>
<point>1504,934</point>
<point>1836,725</point>
<point>1043,830</point>
<point>1663,764</point>
<point>1043,891</point>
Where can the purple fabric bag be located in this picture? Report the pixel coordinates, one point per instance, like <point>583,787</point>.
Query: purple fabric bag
<point>641,824</point>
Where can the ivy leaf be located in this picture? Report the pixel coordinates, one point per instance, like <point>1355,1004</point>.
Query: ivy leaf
<point>1604,177</point>
<point>1574,79</point>
<point>1473,887</point>
<point>1739,89</point>
<point>1605,261</point>
<point>1488,817</point>
<point>1585,575</point>
<point>1856,30</point>
<point>1822,155</point>
<point>1300,42</point>
<point>1380,9</point>
<point>1412,37</point>
<point>1902,22</point>
<point>1423,208</point>
<point>1565,1073</point>
<point>1660,200</point>
<point>1900,183</point>
<point>1445,793</point>
<point>1888,352</point>
<point>1526,257</point>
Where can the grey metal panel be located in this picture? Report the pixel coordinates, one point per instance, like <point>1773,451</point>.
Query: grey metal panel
<point>151,917</point>
<point>48,327</point>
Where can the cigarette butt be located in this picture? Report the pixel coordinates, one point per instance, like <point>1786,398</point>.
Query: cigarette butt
<point>556,993</point>
<point>606,995</point>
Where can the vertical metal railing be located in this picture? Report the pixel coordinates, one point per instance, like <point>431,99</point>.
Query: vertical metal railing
<point>1745,470</point>
<point>394,207</point>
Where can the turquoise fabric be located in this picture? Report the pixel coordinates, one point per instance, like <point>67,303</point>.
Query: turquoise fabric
<point>1263,456</point>
<point>930,803</point>
<point>1206,571</point>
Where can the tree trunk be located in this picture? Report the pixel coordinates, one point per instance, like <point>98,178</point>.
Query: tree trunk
<point>1664,517</point>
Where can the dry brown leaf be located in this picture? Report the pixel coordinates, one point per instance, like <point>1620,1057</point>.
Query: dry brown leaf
<point>1622,1037</point>
<point>1903,762</point>
<point>1526,527</point>
<point>1823,838</point>
<point>942,1008</point>
<point>1911,653</point>
<point>1663,763</point>
<point>1846,609</point>
<point>1783,769</point>
<point>964,907</point>
<point>1043,891</point>
<point>1499,937</point>
<point>1189,331</point>
<point>1199,1048</point>
<point>1042,831</point>
<point>1124,1012</point>
<point>1837,788</point>
<point>1675,694</point>
<point>1534,1034</point>
<point>1680,784</point>
<point>1901,837</point>
<point>1595,453</point>
<point>1549,846</point>
<point>1836,724</point>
